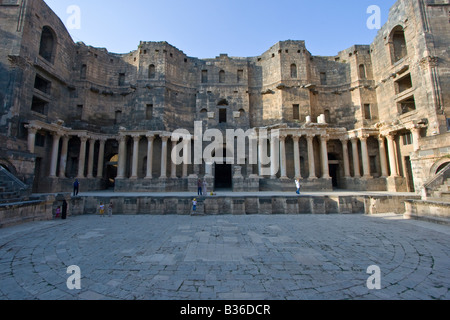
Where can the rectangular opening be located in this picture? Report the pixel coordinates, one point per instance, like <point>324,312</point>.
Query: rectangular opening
<point>40,140</point>
<point>79,111</point>
<point>83,72</point>
<point>407,139</point>
<point>204,76</point>
<point>121,79</point>
<point>296,111</point>
<point>149,112</point>
<point>448,124</point>
<point>407,105</point>
<point>367,112</point>
<point>118,117</point>
<point>240,76</point>
<point>323,78</point>
<point>42,84</point>
<point>39,105</point>
<point>403,84</point>
<point>222,115</point>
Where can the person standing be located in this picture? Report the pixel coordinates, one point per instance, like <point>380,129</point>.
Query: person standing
<point>110,209</point>
<point>194,205</point>
<point>64,210</point>
<point>205,187</point>
<point>58,212</point>
<point>102,209</point>
<point>76,187</point>
<point>199,187</point>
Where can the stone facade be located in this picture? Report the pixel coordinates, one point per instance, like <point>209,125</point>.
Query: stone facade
<point>373,117</point>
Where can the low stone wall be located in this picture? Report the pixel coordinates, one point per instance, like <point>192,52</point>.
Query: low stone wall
<point>236,205</point>
<point>433,211</point>
<point>22,212</point>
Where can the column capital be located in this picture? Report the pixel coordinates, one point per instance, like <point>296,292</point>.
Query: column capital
<point>165,138</point>
<point>324,137</point>
<point>84,138</point>
<point>32,128</point>
<point>282,137</point>
<point>390,136</point>
<point>150,137</point>
<point>136,137</point>
<point>296,137</point>
<point>381,137</point>
<point>122,138</point>
<point>364,137</point>
<point>310,136</point>
<point>344,139</point>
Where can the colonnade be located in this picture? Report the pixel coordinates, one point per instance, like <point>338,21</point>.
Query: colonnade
<point>387,152</point>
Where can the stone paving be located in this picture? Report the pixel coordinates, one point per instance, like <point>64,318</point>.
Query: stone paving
<point>254,257</point>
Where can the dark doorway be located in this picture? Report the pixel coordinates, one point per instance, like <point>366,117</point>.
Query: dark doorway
<point>409,175</point>
<point>334,171</point>
<point>111,172</point>
<point>223,177</point>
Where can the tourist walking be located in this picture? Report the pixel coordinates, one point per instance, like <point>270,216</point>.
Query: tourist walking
<point>110,209</point>
<point>101,209</point>
<point>76,187</point>
<point>297,184</point>
<point>199,187</point>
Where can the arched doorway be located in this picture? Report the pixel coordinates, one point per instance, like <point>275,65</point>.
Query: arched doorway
<point>111,171</point>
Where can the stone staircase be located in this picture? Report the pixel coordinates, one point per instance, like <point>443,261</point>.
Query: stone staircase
<point>443,192</point>
<point>435,203</point>
<point>11,188</point>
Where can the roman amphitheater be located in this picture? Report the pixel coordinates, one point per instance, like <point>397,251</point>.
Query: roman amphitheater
<point>372,118</point>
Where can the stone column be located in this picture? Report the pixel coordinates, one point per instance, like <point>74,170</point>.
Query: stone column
<point>63,159</point>
<point>91,158</point>
<point>416,138</point>
<point>173,166</point>
<point>55,149</point>
<point>261,148</point>
<point>356,168</point>
<point>283,156</point>
<point>345,157</point>
<point>150,139</point>
<point>82,157</point>
<point>101,158</point>
<point>383,160</point>
<point>274,155</point>
<point>324,156</point>
<point>135,161</point>
<point>365,156</point>
<point>392,155</point>
<point>32,130</point>
<point>164,157</point>
<point>298,173</point>
<point>122,157</point>
<point>312,166</point>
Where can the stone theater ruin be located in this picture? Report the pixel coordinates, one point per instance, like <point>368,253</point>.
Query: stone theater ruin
<point>374,117</point>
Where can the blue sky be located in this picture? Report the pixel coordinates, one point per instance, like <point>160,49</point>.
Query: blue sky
<point>207,28</point>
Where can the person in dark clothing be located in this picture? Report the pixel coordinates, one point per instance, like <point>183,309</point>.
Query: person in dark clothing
<point>76,186</point>
<point>199,187</point>
<point>64,210</point>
